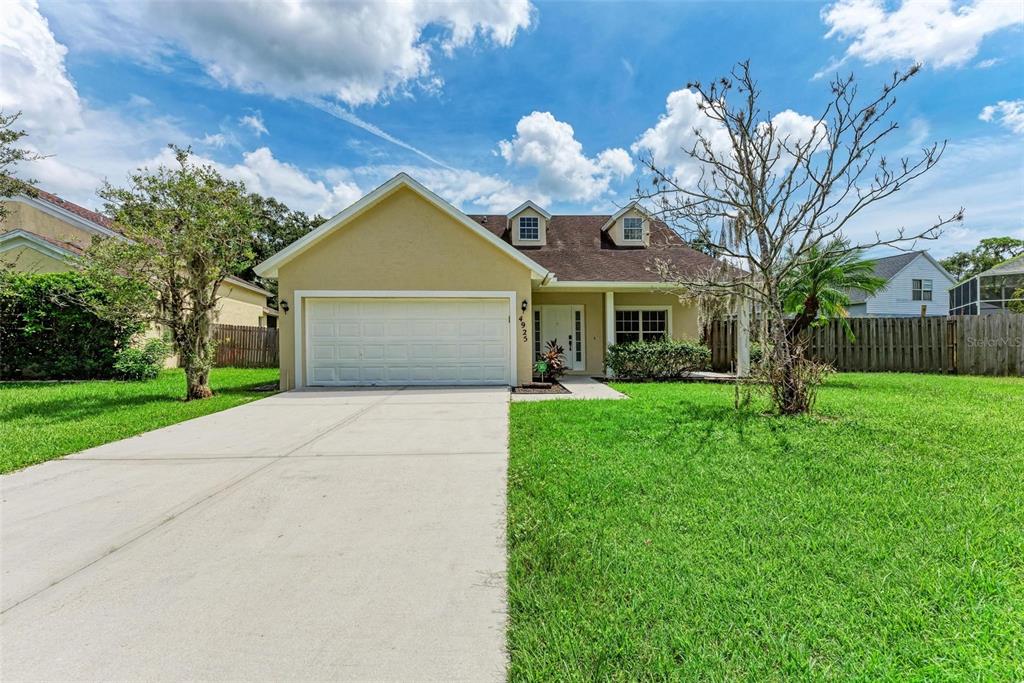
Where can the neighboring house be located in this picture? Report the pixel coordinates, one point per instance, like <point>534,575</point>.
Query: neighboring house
<point>913,280</point>
<point>41,233</point>
<point>403,288</point>
<point>990,291</point>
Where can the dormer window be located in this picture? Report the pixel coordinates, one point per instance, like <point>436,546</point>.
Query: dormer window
<point>529,228</point>
<point>632,229</point>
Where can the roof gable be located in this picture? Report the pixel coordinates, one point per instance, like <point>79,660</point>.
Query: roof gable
<point>632,206</point>
<point>13,239</point>
<point>71,213</point>
<point>528,204</point>
<point>269,268</point>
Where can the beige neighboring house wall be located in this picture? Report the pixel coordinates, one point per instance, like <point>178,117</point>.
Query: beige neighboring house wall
<point>240,305</point>
<point>28,217</point>
<point>399,244</point>
<point>29,260</point>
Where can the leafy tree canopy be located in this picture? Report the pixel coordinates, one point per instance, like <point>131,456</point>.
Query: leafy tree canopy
<point>277,226</point>
<point>10,155</point>
<point>990,252</point>
<point>186,230</point>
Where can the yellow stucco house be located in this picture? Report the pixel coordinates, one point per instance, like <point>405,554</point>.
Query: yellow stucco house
<point>42,233</point>
<point>403,288</point>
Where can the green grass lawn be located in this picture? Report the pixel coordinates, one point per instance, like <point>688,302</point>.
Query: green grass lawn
<point>670,537</point>
<point>44,420</point>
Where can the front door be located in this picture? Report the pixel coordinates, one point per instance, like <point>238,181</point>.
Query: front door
<point>565,325</point>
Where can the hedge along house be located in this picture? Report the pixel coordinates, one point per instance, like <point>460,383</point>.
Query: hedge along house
<point>403,288</point>
<point>42,233</point>
<point>989,292</point>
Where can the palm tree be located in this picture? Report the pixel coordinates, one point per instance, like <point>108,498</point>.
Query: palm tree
<point>818,290</point>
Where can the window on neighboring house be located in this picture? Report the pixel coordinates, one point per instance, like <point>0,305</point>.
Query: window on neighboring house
<point>632,229</point>
<point>637,325</point>
<point>529,228</point>
<point>921,290</point>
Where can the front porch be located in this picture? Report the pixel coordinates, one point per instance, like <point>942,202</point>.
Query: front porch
<point>586,321</point>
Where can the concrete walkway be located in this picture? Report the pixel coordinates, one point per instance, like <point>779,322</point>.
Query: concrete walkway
<point>579,387</point>
<point>342,535</point>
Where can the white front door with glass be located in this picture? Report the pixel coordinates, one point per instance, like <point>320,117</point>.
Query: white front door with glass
<point>565,325</point>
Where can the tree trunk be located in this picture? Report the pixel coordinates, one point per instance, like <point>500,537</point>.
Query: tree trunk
<point>198,380</point>
<point>196,356</point>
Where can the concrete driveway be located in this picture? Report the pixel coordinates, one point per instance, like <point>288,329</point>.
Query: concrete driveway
<point>354,534</point>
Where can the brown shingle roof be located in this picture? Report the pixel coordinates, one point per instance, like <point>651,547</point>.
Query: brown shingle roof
<point>577,250</point>
<point>79,211</point>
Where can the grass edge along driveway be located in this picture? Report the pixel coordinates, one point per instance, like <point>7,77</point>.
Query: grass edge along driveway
<point>40,421</point>
<point>670,537</point>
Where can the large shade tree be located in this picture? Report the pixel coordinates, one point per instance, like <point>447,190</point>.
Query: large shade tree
<point>185,230</point>
<point>277,226</point>
<point>989,253</point>
<point>769,203</point>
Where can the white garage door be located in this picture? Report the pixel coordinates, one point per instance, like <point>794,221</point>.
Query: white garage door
<point>407,341</point>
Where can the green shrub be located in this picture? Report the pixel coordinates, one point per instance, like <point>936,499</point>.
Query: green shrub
<point>142,361</point>
<point>49,331</point>
<point>657,359</point>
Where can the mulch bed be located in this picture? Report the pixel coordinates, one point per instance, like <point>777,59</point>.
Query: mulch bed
<point>541,388</point>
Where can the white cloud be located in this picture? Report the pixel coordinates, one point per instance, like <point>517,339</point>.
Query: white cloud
<point>675,133</point>
<point>938,33</point>
<point>563,171</point>
<point>254,122</point>
<point>84,145</point>
<point>989,63</point>
<point>980,174</point>
<point>468,190</point>
<point>1008,113</point>
<point>88,145</point>
<point>34,80</point>
<point>217,140</point>
<point>359,52</point>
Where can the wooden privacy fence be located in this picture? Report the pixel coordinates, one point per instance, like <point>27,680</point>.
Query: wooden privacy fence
<point>967,344</point>
<point>243,346</point>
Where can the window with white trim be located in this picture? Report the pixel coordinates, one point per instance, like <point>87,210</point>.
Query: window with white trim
<point>921,290</point>
<point>529,228</point>
<point>632,229</point>
<point>578,327</point>
<point>640,325</point>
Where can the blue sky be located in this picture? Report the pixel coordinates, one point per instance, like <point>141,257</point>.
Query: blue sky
<point>492,103</point>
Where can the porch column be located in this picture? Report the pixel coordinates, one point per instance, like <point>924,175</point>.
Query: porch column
<point>609,324</point>
<point>743,339</point>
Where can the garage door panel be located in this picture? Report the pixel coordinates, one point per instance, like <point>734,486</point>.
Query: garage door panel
<point>439,341</point>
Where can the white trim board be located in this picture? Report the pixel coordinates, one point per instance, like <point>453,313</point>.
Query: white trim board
<point>13,239</point>
<point>627,307</point>
<point>528,204</point>
<point>301,294</point>
<point>269,268</point>
<point>607,285</point>
<point>623,211</point>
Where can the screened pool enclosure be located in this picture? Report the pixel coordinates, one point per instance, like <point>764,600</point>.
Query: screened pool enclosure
<point>989,292</point>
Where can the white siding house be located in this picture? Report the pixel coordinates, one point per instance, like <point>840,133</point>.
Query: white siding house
<point>914,279</point>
